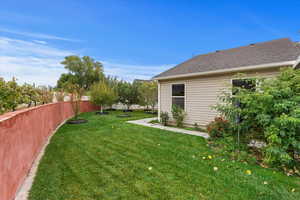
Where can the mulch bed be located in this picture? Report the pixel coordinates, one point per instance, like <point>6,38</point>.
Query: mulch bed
<point>77,121</point>
<point>102,113</point>
<point>128,110</point>
<point>110,109</point>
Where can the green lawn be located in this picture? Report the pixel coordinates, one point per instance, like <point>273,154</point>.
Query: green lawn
<point>108,158</point>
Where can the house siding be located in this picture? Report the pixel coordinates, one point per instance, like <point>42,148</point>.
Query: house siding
<point>201,93</point>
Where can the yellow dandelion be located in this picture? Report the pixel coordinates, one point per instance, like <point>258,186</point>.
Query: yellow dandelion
<point>248,172</point>
<point>209,157</point>
<point>293,190</point>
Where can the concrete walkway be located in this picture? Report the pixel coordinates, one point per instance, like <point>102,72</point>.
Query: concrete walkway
<point>145,122</point>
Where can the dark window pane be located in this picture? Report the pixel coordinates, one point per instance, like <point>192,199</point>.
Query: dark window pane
<point>178,90</point>
<point>179,101</point>
<point>243,83</point>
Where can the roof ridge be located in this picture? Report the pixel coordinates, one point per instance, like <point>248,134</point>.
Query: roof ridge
<point>272,51</point>
<point>244,46</point>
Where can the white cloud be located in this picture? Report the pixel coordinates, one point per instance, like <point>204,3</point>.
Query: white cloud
<point>37,35</point>
<point>30,62</point>
<point>9,46</point>
<point>31,70</point>
<point>131,72</point>
<point>40,41</point>
<point>38,62</point>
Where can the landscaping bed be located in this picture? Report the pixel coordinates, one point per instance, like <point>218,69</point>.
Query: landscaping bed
<point>108,158</point>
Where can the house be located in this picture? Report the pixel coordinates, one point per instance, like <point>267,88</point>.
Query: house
<point>196,84</point>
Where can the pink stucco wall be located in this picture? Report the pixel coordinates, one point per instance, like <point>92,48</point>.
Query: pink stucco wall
<point>22,135</point>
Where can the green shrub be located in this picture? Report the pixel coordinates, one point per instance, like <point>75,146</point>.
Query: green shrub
<point>218,128</point>
<point>154,121</point>
<point>164,118</point>
<point>178,114</point>
<point>273,112</point>
<point>196,127</point>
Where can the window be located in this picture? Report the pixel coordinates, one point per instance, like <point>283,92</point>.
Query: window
<point>178,95</point>
<point>248,84</point>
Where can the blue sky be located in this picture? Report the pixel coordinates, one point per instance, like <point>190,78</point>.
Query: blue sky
<point>133,38</point>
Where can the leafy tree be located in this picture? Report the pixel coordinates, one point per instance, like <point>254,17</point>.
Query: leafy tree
<point>65,79</point>
<point>128,93</point>
<point>3,94</point>
<point>76,93</point>
<point>30,94</point>
<point>148,94</point>
<point>45,94</point>
<point>113,83</point>
<point>83,72</point>
<point>103,95</point>
<point>272,113</point>
<point>13,95</point>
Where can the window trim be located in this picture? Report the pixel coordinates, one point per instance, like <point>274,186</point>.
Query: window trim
<point>246,77</point>
<point>171,88</point>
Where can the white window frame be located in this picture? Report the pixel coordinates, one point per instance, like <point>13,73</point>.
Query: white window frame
<point>178,83</point>
<point>247,77</point>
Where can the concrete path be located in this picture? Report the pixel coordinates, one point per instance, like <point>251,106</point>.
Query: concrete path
<point>23,191</point>
<point>145,122</point>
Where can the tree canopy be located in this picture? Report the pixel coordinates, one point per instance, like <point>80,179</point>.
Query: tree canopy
<point>128,93</point>
<point>103,95</point>
<point>148,93</point>
<point>83,71</point>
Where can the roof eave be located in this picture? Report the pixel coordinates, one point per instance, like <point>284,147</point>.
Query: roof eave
<point>237,69</point>
<point>297,63</point>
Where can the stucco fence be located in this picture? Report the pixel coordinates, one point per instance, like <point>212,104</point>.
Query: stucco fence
<point>22,135</point>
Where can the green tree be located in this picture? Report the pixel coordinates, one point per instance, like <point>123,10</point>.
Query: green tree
<point>128,93</point>
<point>30,94</point>
<point>76,93</point>
<point>148,94</point>
<point>45,94</point>
<point>3,94</point>
<point>13,95</point>
<point>113,83</point>
<point>103,95</point>
<point>83,71</point>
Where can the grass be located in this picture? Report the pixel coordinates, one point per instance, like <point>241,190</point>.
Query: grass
<point>108,158</point>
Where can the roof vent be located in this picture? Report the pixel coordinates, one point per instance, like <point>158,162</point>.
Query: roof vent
<point>252,44</point>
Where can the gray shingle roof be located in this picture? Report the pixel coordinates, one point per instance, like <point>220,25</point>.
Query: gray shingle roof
<point>255,54</point>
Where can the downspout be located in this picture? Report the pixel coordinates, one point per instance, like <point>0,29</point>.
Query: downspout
<point>158,100</point>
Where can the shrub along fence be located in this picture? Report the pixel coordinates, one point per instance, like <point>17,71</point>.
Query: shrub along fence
<point>22,135</point>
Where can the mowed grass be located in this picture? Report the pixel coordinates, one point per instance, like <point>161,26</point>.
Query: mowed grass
<point>108,158</point>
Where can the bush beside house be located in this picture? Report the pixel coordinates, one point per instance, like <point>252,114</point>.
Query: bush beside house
<point>270,113</point>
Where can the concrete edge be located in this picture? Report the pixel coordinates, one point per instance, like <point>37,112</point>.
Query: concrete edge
<point>23,191</point>
<point>145,122</point>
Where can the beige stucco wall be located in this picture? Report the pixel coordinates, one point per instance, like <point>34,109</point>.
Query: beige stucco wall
<point>201,93</point>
